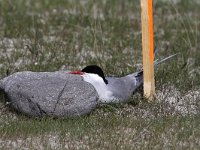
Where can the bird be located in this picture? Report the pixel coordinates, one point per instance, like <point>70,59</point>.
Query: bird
<point>114,89</point>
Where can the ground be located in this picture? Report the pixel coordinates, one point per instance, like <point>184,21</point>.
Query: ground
<point>53,35</point>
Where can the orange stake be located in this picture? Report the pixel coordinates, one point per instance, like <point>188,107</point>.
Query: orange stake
<point>148,48</point>
<point>151,41</point>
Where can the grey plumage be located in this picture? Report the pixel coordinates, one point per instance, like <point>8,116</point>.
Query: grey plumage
<point>123,87</point>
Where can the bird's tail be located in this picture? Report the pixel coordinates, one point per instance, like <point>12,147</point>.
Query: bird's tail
<point>139,75</point>
<point>156,62</point>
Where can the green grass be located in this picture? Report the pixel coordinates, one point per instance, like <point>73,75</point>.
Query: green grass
<point>49,35</point>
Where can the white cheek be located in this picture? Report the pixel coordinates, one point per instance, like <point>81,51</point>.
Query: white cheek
<point>99,85</point>
<point>93,79</point>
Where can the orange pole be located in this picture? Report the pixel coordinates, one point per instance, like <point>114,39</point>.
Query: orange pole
<point>151,40</point>
<point>148,48</point>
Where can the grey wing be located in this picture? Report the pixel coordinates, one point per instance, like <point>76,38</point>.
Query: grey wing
<point>119,87</point>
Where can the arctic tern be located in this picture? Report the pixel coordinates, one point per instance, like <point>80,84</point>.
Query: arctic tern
<point>114,89</point>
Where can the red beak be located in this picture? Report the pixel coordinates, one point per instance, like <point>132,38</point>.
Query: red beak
<point>78,72</point>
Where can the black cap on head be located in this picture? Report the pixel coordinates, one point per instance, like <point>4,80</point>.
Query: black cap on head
<point>96,70</point>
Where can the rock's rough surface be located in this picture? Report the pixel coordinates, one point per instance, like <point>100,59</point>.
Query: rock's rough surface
<point>56,94</point>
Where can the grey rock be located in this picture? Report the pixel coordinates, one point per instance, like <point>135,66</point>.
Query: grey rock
<point>56,94</point>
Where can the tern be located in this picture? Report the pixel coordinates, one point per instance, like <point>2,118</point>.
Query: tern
<point>114,89</point>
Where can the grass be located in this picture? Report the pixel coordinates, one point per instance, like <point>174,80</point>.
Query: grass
<point>51,35</point>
